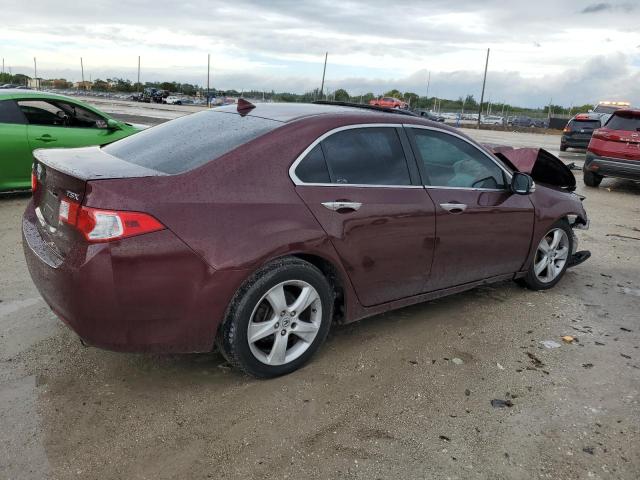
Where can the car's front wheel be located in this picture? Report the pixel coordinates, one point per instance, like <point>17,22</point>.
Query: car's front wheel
<point>591,179</point>
<point>278,319</point>
<point>551,258</point>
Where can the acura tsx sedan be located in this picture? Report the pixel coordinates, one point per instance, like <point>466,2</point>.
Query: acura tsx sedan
<point>253,228</point>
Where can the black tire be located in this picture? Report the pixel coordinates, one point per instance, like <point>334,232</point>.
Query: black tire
<point>530,280</point>
<point>591,179</point>
<point>563,147</point>
<point>232,336</point>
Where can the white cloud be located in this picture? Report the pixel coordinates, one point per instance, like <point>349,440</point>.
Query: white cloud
<point>537,49</point>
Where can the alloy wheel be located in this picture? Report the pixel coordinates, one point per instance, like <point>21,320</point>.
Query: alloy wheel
<point>285,322</point>
<point>551,256</point>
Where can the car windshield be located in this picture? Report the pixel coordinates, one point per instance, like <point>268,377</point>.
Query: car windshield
<point>605,109</point>
<point>627,122</point>
<point>190,141</point>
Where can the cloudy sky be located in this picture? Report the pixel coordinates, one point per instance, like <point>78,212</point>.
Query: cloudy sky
<point>571,51</point>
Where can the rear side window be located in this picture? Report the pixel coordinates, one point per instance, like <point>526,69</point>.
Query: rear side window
<point>313,168</point>
<point>10,113</point>
<point>624,122</point>
<point>578,124</point>
<point>190,141</point>
<point>366,156</point>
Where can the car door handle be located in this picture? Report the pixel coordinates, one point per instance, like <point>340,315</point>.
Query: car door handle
<point>335,206</point>
<point>46,138</point>
<point>454,207</point>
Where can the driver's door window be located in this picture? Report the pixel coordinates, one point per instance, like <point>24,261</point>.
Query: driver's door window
<point>449,161</point>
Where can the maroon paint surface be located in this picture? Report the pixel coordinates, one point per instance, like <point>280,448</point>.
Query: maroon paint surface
<point>169,290</point>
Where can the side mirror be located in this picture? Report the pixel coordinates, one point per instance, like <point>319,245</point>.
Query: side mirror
<point>522,184</point>
<point>113,124</point>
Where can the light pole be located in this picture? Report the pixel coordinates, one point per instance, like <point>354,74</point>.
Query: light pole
<point>324,70</point>
<point>484,81</point>
<point>35,74</point>
<point>82,72</point>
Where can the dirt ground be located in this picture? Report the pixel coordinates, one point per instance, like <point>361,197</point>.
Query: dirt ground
<point>405,395</point>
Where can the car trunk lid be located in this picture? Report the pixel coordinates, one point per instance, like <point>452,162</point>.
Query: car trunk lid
<point>62,175</point>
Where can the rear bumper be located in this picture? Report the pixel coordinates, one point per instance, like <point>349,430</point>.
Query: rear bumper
<point>612,167</point>
<point>149,293</point>
<point>574,142</point>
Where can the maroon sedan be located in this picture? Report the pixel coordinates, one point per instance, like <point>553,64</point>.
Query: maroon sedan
<point>253,228</point>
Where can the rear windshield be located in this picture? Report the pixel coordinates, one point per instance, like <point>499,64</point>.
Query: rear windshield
<point>624,122</point>
<point>190,141</point>
<point>578,124</point>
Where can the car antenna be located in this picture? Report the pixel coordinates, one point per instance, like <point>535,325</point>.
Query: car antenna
<point>244,106</point>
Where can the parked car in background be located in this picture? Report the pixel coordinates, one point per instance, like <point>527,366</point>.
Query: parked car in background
<point>254,227</point>
<point>31,119</point>
<point>578,131</point>
<point>389,102</point>
<point>606,108</point>
<point>614,150</point>
<point>173,100</point>
<point>522,121</point>
<point>431,115</point>
<point>491,120</point>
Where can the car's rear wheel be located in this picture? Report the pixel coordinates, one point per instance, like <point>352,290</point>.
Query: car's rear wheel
<point>591,179</point>
<point>278,319</point>
<point>551,258</point>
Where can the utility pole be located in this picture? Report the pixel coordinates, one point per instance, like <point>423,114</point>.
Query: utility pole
<point>324,70</point>
<point>484,81</point>
<point>35,73</point>
<point>82,72</point>
<point>428,85</point>
<point>2,65</point>
<point>138,83</point>
<point>208,74</point>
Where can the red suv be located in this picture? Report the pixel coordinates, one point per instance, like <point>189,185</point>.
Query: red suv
<point>388,102</point>
<point>614,150</point>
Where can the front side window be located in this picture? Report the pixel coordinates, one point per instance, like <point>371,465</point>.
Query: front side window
<point>366,156</point>
<point>449,161</point>
<point>61,114</point>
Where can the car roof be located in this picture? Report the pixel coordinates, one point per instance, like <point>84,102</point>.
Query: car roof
<point>289,112</point>
<point>587,116</point>
<point>627,111</point>
<point>24,93</point>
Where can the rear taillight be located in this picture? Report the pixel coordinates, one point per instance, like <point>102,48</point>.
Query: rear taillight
<point>600,133</point>
<point>34,182</point>
<point>106,225</point>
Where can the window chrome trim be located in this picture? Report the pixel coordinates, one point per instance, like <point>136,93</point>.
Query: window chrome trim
<point>294,165</point>
<point>489,156</point>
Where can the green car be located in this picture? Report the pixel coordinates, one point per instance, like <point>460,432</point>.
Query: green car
<point>31,119</point>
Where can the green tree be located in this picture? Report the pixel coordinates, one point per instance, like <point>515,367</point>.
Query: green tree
<point>341,95</point>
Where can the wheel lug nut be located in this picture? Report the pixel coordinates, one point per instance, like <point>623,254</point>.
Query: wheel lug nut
<point>283,332</point>
<point>282,313</point>
<point>276,326</point>
<point>293,325</point>
<point>293,314</point>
